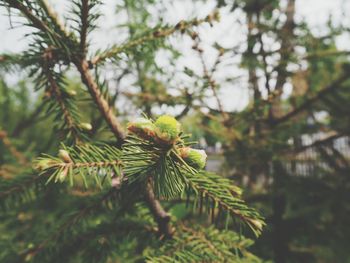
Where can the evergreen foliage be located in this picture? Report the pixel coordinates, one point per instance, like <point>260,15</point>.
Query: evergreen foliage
<point>83,180</point>
<point>187,246</point>
<point>98,198</point>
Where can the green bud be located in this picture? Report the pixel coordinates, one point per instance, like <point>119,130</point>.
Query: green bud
<point>62,175</point>
<point>28,257</point>
<point>71,92</point>
<point>142,127</point>
<point>193,157</point>
<point>64,156</point>
<point>257,223</point>
<point>42,164</point>
<point>167,128</point>
<point>86,126</point>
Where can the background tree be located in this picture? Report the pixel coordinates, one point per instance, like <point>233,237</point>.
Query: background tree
<point>287,147</point>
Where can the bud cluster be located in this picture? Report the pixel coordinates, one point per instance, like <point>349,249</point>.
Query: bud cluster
<point>166,131</point>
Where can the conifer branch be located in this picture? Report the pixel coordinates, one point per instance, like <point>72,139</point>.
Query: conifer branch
<point>160,215</point>
<point>156,33</point>
<point>336,84</point>
<point>80,159</point>
<point>54,17</point>
<point>83,67</point>
<point>209,186</point>
<point>318,143</point>
<point>203,245</point>
<point>100,163</point>
<point>208,76</point>
<point>69,119</point>
<point>170,174</point>
<point>84,24</point>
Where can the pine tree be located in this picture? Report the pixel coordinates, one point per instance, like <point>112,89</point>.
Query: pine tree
<point>291,149</point>
<point>106,200</point>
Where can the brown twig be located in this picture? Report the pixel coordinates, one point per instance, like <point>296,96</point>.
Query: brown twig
<point>304,106</point>
<point>84,27</point>
<point>208,76</point>
<point>160,215</point>
<point>318,143</point>
<point>54,17</point>
<point>55,90</point>
<point>182,26</point>
<point>95,92</point>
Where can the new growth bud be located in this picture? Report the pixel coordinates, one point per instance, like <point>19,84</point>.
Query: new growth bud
<point>64,156</point>
<point>193,157</point>
<point>142,127</point>
<point>86,126</point>
<point>42,164</point>
<point>62,175</point>
<point>167,129</point>
<point>71,92</point>
<point>257,223</point>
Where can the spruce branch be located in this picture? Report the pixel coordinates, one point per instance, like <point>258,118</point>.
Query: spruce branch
<point>159,161</point>
<point>336,84</point>
<point>84,18</point>
<point>67,108</point>
<point>203,244</point>
<point>42,63</point>
<point>167,167</point>
<point>84,24</point>
<point>51,13</point>
<point>160,215</point>
<point>220,195</point>
<point>208,75</point>
<point>87,161</point>
<point>164,168</point>
<point>143,159</point>
<point>156,33</point>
